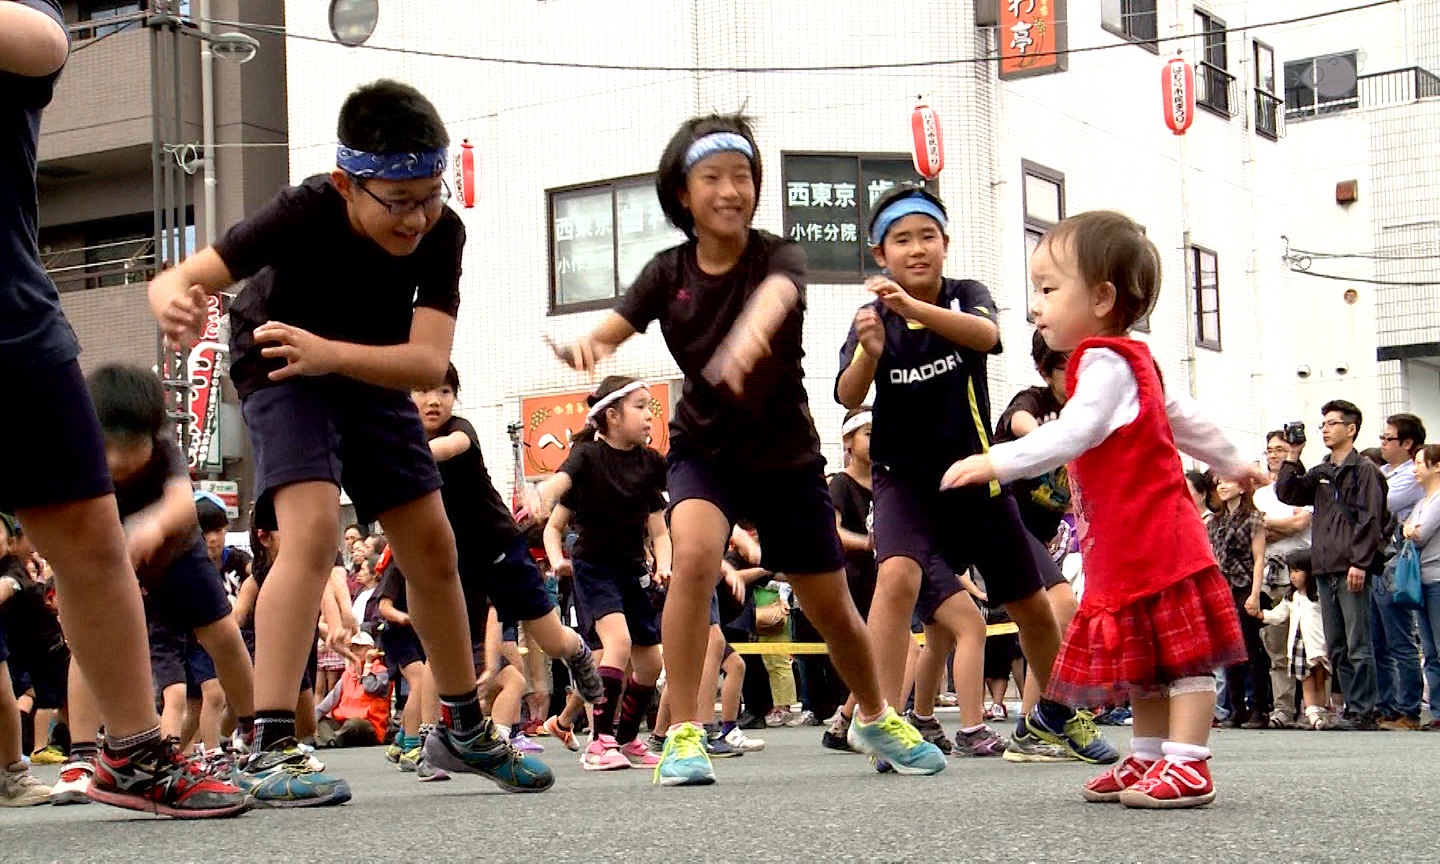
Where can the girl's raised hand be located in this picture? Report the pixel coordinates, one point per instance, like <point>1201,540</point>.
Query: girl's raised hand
<point>972,471</point>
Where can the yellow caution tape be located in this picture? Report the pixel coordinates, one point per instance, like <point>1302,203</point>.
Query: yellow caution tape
<point>819,647</point>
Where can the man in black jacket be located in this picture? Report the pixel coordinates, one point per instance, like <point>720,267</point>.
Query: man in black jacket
<point>1348,493</point>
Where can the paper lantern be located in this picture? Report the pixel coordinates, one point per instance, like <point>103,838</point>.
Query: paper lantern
<point>928,148</point>
<point>465,174</point>
<point>1177,82</point>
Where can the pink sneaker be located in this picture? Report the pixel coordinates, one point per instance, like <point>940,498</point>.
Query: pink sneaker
<point>603,754</point>
<point>639,755</point>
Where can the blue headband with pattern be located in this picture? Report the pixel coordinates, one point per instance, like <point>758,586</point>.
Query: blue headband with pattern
<point>391,166</point>
<point>898,209</point>
<point>717,142</point>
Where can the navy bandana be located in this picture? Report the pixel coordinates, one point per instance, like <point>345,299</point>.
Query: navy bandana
<point>391,166</point>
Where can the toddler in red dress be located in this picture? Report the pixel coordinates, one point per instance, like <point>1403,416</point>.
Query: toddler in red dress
<point>1156,617</point>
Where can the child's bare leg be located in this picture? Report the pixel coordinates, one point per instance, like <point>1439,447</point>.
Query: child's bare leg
<point>825,597</point>
<point>698,532</point>
<point>226,647</point>
<point>710,676</point>
<point>172,712</point>
<point>961,617</point>
<point>1039,635</point>
<point>930,666</point>
<point>9,720</point>
<point>734,669</point>
<point>891,610</point>
<point>1063,603</point>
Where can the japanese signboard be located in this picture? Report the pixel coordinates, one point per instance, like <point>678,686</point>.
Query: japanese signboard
<point>603,235</point>
<point>551,421</point>
<point>828,201</point>
<point>227,491</point>
<point>203,401</point>
<point>1032,37</point>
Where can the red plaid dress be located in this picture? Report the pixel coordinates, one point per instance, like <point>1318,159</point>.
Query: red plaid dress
<point>1155,607</point>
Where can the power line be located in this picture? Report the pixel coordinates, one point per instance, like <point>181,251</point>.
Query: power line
<point>273,29</point>
<point>1363,281</point>
<point>98,39</point>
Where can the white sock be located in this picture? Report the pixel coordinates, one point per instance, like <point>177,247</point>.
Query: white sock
<point>1178,752</point>
<point>1147,749</point>
<point>503,731</point>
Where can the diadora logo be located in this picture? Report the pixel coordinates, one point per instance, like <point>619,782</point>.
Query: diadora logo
<point>926,371</point>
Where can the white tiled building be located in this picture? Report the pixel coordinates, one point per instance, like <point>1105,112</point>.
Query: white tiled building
<point>555,144</point>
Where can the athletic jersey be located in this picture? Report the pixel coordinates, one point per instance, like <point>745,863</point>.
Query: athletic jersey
<point>1043,500</point>
<point>612,493</point>
<point>478,516</point>
<point>932,402</point>
<point>769,426</point>
<point>306,266</point>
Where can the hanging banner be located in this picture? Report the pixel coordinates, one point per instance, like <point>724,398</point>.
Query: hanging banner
<point>928,146</point>
<point>551,421</point>
<point>201,370</point>
<point>1177,86</point>
<point>1032,38</point>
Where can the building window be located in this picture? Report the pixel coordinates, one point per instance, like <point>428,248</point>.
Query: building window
<point>1042,194</point>
<point>1212,78</point>
<point>828,201</point>
<point>1135,20</point>
<point>1267,103</point>
<point>1205,284</point>
<point>601,236</point>
<point>1321,85</point>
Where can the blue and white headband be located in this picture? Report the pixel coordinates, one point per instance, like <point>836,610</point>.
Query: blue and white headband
<point>391,166</point>
<point>717,142</point>
<point>899,209</point>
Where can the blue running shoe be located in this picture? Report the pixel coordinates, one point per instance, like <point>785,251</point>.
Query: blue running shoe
<point>488,755</point>
<point>283,777</point>
<point>685,761</point>
<point>890,739</point>
<point>1080,737</point>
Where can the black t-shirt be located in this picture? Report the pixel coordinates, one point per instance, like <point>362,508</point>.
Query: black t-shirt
<point>307,267</point>
<point>477,513</point>
<point>147,486</point>
<point>392,585</point>
<point>932,400</point>
<point>612,494</point>
<point>1043,500</point>
<point>853,502</point>
<point>234,564</point>
<point>769,426</point>
<point>33,329</point>
<point>31,627</point>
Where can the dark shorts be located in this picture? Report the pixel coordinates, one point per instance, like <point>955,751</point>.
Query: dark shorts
<point>190,594</point>
<point>199,668</point>
<point>938,583</point>
<point>364,438</point>
<point>511,582</point>
<point>167,655</point>
<point>915,519</point>
<point>509,632</point>
<point>49,674</point>
<point>402,647</point>
<point>56,452</point>
<point>791,510</point>
<point>1000,653</point>
<point>602,589</point>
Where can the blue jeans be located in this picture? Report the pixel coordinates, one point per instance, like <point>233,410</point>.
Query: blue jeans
<point>1397,654</point>
<point>1429,633</point>
<point>1346,616</point>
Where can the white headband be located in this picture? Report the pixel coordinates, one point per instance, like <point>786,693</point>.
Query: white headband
<point>610,399</point>
<point>861,419</point>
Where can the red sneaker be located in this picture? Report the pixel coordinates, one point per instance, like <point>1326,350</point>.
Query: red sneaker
<point>160,780</point>
<point>1106,788</point>
<point>1171,785</point>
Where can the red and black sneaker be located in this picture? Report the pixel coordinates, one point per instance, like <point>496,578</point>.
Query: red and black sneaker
<point>1171,785</point>
<point>158,779</point>
<point>1106,788</point>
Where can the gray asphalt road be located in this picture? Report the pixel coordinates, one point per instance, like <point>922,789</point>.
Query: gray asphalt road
<point>1283,797</point>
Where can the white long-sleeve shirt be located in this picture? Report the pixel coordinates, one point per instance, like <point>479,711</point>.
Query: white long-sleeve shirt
<point>1106,399</point>
<point>1303,615</point>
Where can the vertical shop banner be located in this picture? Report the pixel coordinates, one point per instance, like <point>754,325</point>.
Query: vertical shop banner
<point>551,421</point>
<point>202,371</point>
<point>1032,38</point>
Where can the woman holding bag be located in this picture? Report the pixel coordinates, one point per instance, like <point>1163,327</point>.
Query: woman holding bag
<point>1423,530</point>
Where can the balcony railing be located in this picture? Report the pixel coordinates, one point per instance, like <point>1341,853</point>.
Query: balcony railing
<point>1213,89</point>
<point>1269,115</point>
<point>1376,90</point>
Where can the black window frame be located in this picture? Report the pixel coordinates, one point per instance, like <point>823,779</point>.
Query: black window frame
<point>1033,225</point>
<point>555,307</point>
<point>1269,105</point>
<point>1198,290</point>
<point>1133,13</point>
<point>1315,107</point>
<point>1212,74</point>
<point>842,277</point>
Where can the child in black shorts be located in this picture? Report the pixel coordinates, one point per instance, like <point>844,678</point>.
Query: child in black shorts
<point>923,344</point>
<point>60,488</point>
<point>405,654</point>
<point>353,283</point>
<point>730,302</point>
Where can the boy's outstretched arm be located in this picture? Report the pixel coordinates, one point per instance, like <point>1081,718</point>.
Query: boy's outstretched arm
<point>178,295</point>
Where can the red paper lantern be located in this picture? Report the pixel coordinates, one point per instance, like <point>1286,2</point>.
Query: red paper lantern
<point>465,174</point>
<point>1177,83</point>
<point>928,149</point>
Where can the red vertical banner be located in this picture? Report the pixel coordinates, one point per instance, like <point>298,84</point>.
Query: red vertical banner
<point>202,403</point>
<point>1032,38</point>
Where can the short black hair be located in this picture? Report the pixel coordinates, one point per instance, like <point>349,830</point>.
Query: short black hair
<point>1374,455</point>
<point>609,385</point>
<point>452,377</point>
<point>1276,433</point>
<point>390,117</point>
<point>1410,428</point>
<point>212,517</point>
<point>1348,412</point>
<point>1203,482</point>
<point>1300,560</point>
<point>670,176</point>
<point>1047,359</point>
<point>895,193</point>
<point>128,399</point>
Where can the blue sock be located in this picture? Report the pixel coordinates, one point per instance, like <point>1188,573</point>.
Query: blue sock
<point>1053,714</point>
<point>726,727</point>
<point>1021,729</point>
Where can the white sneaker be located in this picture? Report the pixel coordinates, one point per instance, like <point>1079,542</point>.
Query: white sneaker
<point>22,789</point>
<point>740,741</point>
<point>74,784</point>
